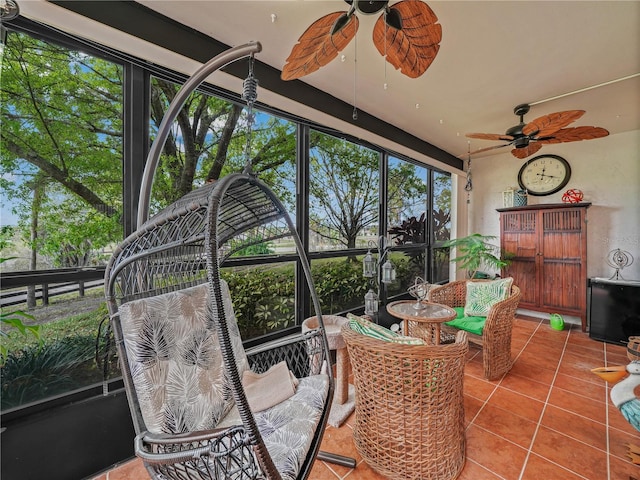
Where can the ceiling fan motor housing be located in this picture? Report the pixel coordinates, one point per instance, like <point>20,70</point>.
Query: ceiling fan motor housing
<point>368,7</point>
<point>520,139</point>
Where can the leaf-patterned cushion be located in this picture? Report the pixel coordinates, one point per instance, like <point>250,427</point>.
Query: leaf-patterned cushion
<point>481,296</point>
<point>365,327</point>
<point>175,359</point>
<point>288,427</point>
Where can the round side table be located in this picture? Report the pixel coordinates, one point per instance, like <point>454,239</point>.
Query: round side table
<point>426,319</point>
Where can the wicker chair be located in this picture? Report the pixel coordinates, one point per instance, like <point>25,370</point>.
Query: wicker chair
<point>409,417</point>
<point>496,335</point>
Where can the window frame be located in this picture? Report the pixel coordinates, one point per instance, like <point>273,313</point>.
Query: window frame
<point>137,80</point>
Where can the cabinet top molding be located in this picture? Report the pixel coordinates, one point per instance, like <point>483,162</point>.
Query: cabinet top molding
<point>544,206</point>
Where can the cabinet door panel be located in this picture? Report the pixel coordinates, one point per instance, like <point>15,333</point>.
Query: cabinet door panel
<point>561,285</point>
<point>562,246</point>
<point>523,272</point>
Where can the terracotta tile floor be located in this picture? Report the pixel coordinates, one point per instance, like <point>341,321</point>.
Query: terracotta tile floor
<point>548,418</point>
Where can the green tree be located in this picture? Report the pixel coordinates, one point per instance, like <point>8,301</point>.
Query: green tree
<point>61,147</point>
<point>208,141</point>
<point>344,189</point>
<point>61,138</point>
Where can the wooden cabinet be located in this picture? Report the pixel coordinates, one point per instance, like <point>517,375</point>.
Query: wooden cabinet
<point>548,246</point>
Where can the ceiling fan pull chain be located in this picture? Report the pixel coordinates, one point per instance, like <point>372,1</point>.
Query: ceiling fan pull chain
<point>249,95</point>
<point>386,26</point>
<point>354,115</point>
<point>469,186</point>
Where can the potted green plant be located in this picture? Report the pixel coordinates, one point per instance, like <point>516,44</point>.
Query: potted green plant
<point>475,251</point>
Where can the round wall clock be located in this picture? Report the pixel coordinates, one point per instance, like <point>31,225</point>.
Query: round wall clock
<point>544,175</point>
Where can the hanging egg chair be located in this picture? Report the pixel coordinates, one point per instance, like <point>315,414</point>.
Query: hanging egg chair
<point>202,405</point>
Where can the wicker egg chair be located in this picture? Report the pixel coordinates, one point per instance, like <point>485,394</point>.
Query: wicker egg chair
<point>180,348</point>
<point>409,416</point>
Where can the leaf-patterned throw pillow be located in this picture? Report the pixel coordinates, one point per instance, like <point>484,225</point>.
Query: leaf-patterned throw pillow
<point>481,296</point>
<point>365,327</point>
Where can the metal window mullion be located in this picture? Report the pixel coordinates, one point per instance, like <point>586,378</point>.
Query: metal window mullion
<point>383,169</point>
<point>303,298</point>
<point>429,234</point>
<point>137,94</point>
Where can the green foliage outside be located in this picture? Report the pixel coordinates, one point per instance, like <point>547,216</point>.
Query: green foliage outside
<point>15,319</point>
<point>61,148</point>
<point>63,358</point>
<point>38,372</point>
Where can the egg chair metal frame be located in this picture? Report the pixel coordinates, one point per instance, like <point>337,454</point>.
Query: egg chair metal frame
<point>178,251</point>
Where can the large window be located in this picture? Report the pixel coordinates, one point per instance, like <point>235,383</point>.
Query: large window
<point>419,220</point>
<point>62,201</point>
<point>73,147</point>
<point>61,154</point>
<point>440,226</point>
<point>343,193</point>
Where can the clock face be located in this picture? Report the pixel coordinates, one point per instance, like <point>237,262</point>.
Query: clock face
<point>544,175</point>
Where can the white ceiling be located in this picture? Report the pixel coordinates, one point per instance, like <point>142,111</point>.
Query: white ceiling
<point>494,55</point>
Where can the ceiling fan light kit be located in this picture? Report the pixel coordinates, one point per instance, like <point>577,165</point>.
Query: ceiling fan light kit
<point>406,34</point>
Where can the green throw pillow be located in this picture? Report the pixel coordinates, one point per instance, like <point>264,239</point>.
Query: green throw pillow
<point>470,324</point>
<point>365,327</point>
<point>481,296</point>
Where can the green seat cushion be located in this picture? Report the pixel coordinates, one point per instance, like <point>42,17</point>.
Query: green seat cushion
<point>469,324</point>
<point>365,327</point>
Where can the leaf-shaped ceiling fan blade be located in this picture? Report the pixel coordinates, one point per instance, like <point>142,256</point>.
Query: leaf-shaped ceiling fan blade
<point>316,47</point>
<point>485,149</point>
<point>524,152</point>
<point>575,134</point>
<point>547,125</point>
<point>413,48</point>
<point>490,136</point>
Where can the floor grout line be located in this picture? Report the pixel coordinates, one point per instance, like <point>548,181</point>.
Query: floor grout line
<point>485,468</point>
<point>606,415</point>
<point>544,406</point>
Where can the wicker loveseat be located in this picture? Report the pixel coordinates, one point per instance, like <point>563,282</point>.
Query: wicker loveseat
<point>496,334</point>
<point>409,416</point>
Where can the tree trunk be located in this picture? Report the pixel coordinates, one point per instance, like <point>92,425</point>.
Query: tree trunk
<point>38,193</point>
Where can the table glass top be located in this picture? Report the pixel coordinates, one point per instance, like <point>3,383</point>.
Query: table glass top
<point>430,310</point>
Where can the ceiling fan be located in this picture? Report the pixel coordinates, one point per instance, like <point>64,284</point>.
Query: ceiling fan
<point>528,138</point>
<point>406,34</point>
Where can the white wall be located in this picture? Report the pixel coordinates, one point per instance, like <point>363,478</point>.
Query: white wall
<point>607,170</point>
